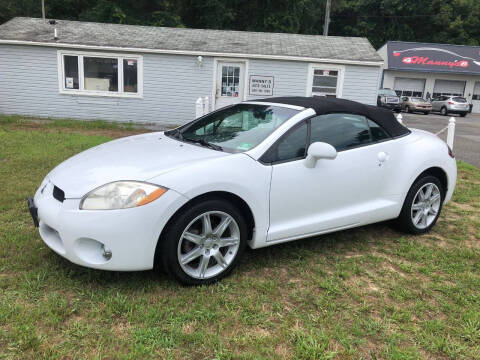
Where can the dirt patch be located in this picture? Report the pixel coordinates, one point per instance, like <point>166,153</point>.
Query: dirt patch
<point>472,243</point>
<point>261,332</point>
<point>283,351</point>
<point>120,329</point>
<point>463,206</point>
<point>189,328</point>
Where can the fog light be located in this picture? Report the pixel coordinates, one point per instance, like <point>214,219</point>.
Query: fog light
<point>106,253</point>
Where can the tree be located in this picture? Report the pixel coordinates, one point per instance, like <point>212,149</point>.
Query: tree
<point>443,21</point>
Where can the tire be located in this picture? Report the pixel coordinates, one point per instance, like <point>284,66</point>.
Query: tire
<point>407,109</point>
<point>444,111</point>
<point>205,251</point>
<point>406,221</point>
<point>463,114</point>
<point>426,112</point>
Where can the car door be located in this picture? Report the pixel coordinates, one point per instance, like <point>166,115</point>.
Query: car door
<point>437,103</point>
<point>347,191</point>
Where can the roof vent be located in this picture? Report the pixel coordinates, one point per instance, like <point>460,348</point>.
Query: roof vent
<point>55,34</point>
<point>52,22</point>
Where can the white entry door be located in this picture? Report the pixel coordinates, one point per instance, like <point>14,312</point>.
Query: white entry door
<point>230,84</point>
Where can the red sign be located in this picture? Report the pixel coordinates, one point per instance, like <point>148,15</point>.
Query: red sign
<point>425,60</point>
<point>433,57</point>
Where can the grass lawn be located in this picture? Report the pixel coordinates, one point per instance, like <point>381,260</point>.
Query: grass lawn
<point>366,293</point>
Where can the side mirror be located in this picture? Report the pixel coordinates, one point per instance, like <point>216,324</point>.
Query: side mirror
<point>317,151</point>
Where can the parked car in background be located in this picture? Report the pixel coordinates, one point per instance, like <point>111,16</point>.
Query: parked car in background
<point>255,174</point>
<point>446,104</point>
<point>416,104</point>
<point>388,98</point>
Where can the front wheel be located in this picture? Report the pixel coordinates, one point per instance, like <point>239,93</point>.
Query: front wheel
<point>463,114</point>
<point>422,206</point>
<point>444,111</point>
<point>203,244</point>
<point>426,112</point>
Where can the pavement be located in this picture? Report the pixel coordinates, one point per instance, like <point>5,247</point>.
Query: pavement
<point>466,144</point>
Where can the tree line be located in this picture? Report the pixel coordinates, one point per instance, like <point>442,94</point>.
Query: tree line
<point>440,21</point>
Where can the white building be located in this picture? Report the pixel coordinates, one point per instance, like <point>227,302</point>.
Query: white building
<point>430,70</point>
<point>155,74</point>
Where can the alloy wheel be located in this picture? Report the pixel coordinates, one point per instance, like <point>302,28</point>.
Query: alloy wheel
<point>426,205</point>
<point>208,245</point>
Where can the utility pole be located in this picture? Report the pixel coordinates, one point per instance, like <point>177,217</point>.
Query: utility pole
<point>327,18</point>
<point>43,9</point>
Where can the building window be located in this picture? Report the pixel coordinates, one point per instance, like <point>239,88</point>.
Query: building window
<point>409,93</point>
<point>437,94</point>
<point>85,73</point>
<point>325,81</point>
<point>71,72</point>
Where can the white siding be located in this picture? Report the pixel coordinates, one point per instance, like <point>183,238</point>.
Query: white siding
<point>290,77</point>
<point>172,83</point>
<point>361,83</point>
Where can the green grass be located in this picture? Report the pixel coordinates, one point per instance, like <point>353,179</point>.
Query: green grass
<point>19,120</point>
<point>367,293</point>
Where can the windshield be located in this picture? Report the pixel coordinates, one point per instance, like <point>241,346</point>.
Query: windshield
<point>387,92</point>
<point>418,100</point>
<point>459,99</point>
<point>237,128</point>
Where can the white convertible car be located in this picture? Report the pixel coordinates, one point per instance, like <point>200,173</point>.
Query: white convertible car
<point>257,173</point>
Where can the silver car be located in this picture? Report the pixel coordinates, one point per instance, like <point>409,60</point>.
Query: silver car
<point>450,104</point>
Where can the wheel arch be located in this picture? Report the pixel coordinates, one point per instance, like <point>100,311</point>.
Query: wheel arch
<point>438,172</point>
<point>240,203</point>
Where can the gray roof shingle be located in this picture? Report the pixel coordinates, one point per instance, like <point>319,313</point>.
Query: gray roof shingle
<point>191,40</point>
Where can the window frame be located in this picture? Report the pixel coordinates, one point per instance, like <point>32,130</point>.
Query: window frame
<point>81,78</point>
<point>273,147</point>
<point>331,67</point>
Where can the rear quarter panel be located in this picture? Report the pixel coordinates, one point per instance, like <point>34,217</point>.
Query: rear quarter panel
<point>423,150</point>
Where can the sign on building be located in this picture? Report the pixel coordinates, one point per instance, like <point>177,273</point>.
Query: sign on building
<point>434,58</point>
<point>261,85</point>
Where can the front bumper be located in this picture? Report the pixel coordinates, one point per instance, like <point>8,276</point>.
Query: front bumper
<point>392,106</point>
<point>119,240</point>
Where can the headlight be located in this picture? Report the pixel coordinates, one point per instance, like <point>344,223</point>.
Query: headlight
<point>121,195</point>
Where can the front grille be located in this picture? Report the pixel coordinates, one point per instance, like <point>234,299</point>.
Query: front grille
<point>393,100</point>
<point>58,194</point>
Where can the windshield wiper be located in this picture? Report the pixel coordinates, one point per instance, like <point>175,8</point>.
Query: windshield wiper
<point>204,143</point>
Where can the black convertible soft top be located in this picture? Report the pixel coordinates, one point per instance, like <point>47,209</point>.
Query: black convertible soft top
<point>328,105</point>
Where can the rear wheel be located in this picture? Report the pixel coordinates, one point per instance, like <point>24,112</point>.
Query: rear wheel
<point>422,205</point>
<point>463,114</point>
<point>444,111</point>
<point>203,244</point>
<point>426,112</point>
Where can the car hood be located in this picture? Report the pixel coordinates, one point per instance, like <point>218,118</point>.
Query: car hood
<point>139,157</point>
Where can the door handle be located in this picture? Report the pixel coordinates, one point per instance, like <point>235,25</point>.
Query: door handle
<point>383,156</point>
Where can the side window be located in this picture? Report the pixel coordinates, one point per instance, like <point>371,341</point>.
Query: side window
<point>378,134</point>
<point>342,131</point>
<point>292,146</point>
